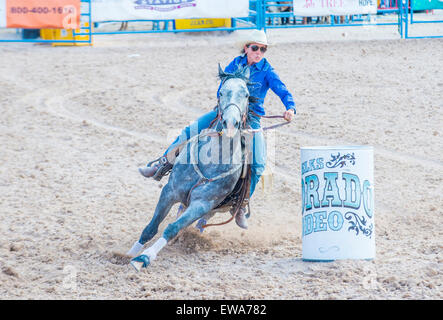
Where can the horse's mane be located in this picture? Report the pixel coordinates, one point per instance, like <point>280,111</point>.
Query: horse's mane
<point>238,74</point>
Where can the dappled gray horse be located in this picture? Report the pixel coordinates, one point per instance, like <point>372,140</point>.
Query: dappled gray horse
<point>206,171</point>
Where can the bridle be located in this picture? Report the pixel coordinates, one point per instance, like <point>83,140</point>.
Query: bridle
<point>220,111</point>
<point>242,115</point>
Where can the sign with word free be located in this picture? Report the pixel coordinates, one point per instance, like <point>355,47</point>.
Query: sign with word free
<point>316,8</point>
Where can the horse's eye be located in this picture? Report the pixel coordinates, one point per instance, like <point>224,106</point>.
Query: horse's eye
<point>221,94</point>
<point>247,95</point>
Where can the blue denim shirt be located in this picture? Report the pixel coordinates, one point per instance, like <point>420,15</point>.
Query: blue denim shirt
<point>264,77</point>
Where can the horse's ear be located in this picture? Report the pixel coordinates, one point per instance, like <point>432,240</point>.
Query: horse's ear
<point>220,71</point>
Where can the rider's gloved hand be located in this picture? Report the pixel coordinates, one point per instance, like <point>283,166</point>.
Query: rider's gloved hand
<point>289,114</point>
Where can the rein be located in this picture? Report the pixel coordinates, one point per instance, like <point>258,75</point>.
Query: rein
<point>244,116</point>
<point>217,133</point>
<point>269,127</point>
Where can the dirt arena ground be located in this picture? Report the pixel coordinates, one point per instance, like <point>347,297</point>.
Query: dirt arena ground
<point>76,123</point>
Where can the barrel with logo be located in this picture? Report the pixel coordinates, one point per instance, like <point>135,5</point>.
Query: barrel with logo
<point>337,203</point>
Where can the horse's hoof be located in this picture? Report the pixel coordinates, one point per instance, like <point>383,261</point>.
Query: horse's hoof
<point>200,224</point>
<point>140,262</point>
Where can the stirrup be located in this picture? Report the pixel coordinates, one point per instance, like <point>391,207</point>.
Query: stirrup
<point>164,168</point>
<point>245,204</point>
<point>241,218</point>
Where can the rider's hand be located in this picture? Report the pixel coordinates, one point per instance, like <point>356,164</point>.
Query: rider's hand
<point>288,114</point>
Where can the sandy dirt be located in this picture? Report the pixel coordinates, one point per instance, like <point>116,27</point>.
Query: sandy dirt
<point>77,122</point>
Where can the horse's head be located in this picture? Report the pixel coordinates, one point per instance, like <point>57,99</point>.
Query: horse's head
<point>233,99</point>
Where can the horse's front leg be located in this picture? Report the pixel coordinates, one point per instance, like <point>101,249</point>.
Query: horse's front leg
<point>195,210</point>
<point>164,205</point>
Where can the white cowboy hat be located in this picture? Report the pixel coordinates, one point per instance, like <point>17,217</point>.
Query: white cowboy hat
<point>256,36</point>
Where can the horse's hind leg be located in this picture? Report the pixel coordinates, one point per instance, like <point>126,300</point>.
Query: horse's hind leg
<point>204,220</point>
<point>196,210</point>
<point>164,205</point>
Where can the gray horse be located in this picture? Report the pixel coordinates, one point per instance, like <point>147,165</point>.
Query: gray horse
<point>199,180</point>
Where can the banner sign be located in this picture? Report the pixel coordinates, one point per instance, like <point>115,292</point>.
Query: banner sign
<point>123,10</point>
<point>2,14</point>
<point>40,14</point>
<point>316,8</point>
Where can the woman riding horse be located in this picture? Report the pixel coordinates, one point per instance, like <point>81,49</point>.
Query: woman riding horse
<point>264,77</point>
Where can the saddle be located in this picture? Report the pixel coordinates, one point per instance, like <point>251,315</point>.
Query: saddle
<point>239,197</point>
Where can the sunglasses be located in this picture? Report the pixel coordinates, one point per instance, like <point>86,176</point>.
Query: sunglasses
<point>255,48</point>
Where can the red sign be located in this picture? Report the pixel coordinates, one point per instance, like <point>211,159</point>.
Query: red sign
<point>39,14</point>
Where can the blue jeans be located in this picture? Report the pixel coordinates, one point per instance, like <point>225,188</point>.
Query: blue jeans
<point>259,144</point>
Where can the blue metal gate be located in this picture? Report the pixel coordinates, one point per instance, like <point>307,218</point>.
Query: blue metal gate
<point>407,17</point>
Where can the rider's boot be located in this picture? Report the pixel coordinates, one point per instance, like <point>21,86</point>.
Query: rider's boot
<point>241,218</point>
<point>158,170</point>
<point>149,172</point>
